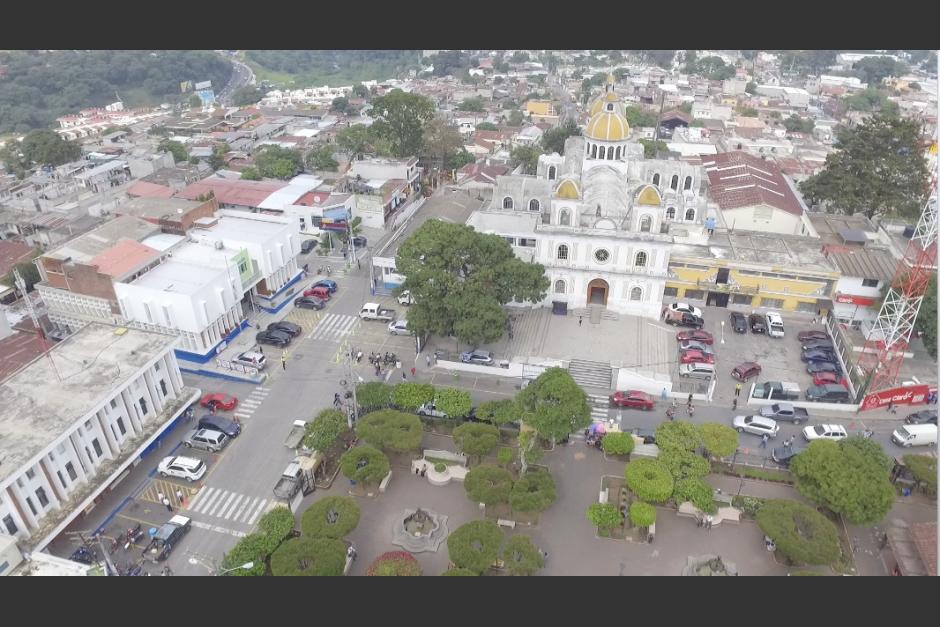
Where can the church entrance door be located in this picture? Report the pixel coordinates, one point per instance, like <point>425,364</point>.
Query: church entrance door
<point>597,292</point>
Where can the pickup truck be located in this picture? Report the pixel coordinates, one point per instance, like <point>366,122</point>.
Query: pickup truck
<point>166,538</point>
<point>777,390</point>
<point>785,411</point>
<point>298,476</point>
<point>296,436</point>
<point>372,311</point>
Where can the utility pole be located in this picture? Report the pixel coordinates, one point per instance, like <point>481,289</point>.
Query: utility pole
<point>349,385</point>
<point>21,286</point>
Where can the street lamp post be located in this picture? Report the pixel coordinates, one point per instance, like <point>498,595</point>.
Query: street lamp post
<point>245,566</point>
<point>722,331</point>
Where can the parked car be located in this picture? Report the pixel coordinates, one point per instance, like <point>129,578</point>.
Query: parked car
<point>783,455</point>
<point>758,425</point>
<point>818,355</point>
<point>806,336</point>
<point>166,538</point>
<point>405,298</point>
<point>738,322</point>
<point>633,399</point>
<point>696,346</point>
<point>743,372</point>
<point>785,411</point>
<point>927,416</point>
<point>825,378</point>
<point>225,402</point>
<point>308,245</point>
<point>686,308</point>
<point>359,241</point>
<point>774,324</point>
<point>476,356</point>
<point>252,359</point>
<point>822,366</point>
<point>757,322</point>
<point>206,439</point>
<point>828,393</point>
<point>696,335</point>
<point>697,370</point>
<point>825,432</point>
<point>815,344</point>
<point>329,284</point>
<point>309,302</point>
<point>284,326</point>
<point>275,338</point>
<point>691,357</point>
<point>915,435</point>
<point>220,423</point>
<point>683,319</point>
<point>398,327</point>
<point>321,292</point>
<point>187,468</point>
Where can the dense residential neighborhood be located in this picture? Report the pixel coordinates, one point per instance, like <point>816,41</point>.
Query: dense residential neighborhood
<point>471,312</point>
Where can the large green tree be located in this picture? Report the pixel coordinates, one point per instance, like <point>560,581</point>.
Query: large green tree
<point>554,405</point>
<point>475,545</point>
<point>521,556</point>
<point>330,517</point>
<point>718,439</point>
<point>476,439</point>
<point>175,148</point>
<point>533,492</point>
<point>391,430</point>
<point>461,278</point>
<point>553,140</point>
<point>604,516</point>
<point>649,479</point>
<point>246,95</point>
<point>442,140</point>
<point>873,70</point>
<point>323,431</point>
<point>356,139</point>
<point>927,317</point>
<point>488,484</point>
<point>800,532</point>
<point>400,118</point>
<point>879,168</point>
<point>364,464</point>
<point>638,116</point>
<point>498,412</point>
<point>321,158</point>
<point>312,557</point>
<point>41,147</point>
<point>527,157</point>
<point>278,163</point>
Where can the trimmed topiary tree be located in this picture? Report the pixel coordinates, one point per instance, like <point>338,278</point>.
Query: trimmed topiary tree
<point>277,524</point>
<point>411,396</point>
<point>498,412</point>
<point>325,428</point>
<point>476,439</point>
<point>617,443</point>
<point>604,516</point>
<point>488,484</point>
<point>453,402</point>
<point>394,564</point>
<point>677,434</point>
<point>718,439</point>
<point>683,464</point>
<point>649,479</point>
<point>254,547</point>
<point>642,514</point>
<point>800,532</point>
<point>697,492</point>
<point>475,545</point>
<point>554,405</point>
<point>374,395</point>
<point>522,557</point>
<point>330,517</point>
<point>364,464</point>
<point>391,430</point>
<point>310,557</point>
<point>459,572</point>
<point>533,492</point>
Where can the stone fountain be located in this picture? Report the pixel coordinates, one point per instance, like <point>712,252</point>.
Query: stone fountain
<point>709,566</point>
<point>419,530</point>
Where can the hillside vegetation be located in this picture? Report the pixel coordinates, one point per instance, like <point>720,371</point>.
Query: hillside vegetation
<point>306,68</point>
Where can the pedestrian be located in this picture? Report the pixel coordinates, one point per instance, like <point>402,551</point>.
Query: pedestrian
<point>689,402</point>
<point>260,349</point>
<point>580,320</point>
<point>427,358</point>
<point>413,371</point>
<point>404,377</point>
<point>212,407</point>
<point>179,497</point>
<point>734,403</point>
<point>166,502</point>
<point>424,470</point>
<point>284,360</point>
<point>378,370</point>
<point>892,408</point>
<point>417,471</point>
<point>737,390</point>
<point>160,497</point>
<point>663,394</point>
<point>691,410</point>
<point>763,440</point>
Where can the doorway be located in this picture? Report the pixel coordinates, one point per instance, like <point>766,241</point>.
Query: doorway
<point>722,275</point>
<point>717,299</point>
<point>597,292</point>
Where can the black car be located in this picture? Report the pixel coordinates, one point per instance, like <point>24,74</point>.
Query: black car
<point>818,355</point>
<point>167,537</point>
<point>359,241</point>
<point>309,302</point>
<point>275,338</point>
<point>648,435</point>
<point>738,322</point>
<point>686,320</point>
<point>289,328</point>
<point>783,455</point>
<point>220,423</point>
<point>811,344</point>
<point>927,416</point>
<point>307,245</point>
<point>757,323</point>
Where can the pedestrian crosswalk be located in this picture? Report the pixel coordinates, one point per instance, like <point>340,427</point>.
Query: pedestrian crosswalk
<point>247,406</point>
<point>600,407</point>
<point>227,505</point>
<point>334,327</point>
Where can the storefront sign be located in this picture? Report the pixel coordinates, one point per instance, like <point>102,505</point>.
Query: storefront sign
<point>848,299</point>
<point>907,395</point>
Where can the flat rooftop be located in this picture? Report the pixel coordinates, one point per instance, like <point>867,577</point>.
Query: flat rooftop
<point>37,405</point>
<point>84,247</point>
<point>178,277</point>
<point>243,229</point>
<point>156,208</point>
<point>782,251</point>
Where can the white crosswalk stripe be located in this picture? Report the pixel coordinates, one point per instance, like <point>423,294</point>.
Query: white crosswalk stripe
<point>333,327</point>
<point>599,414</point>
<point>228,512</point>
<point>227,505</point>
<point>215,508</point>
<point>258,510</point>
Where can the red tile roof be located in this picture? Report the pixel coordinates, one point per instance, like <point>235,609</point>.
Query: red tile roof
<point>123,257</point>
<point>12,253</point>
<point>925,539</point>
<point>737,179</point>
<point>481,172</point>
<point>149,190</point>
<point>18,350</point>
<point>241,193</point>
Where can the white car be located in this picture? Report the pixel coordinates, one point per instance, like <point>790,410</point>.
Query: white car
<point>398,327</point>
<point>758,425</point>
<point>186,468</point>
<point>825,432</point>
<point>687,308</point>
<point>405,298</point>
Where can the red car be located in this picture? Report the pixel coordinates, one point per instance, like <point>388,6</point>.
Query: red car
<point>633,399</point>
<point>805,336</point>
<point>825,378</point>
<point>695,335</point>
<point>225,402</point>
<point>321,292</point>
<point>745,371</point>
<point>695,357</point>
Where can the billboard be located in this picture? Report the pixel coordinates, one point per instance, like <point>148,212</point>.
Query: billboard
<point>204,85</point>
<point>186,86</point>
<point>335,219</point>
<point>905,395</point>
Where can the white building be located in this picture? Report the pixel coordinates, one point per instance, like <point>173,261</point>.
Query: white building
<point>68,431</point>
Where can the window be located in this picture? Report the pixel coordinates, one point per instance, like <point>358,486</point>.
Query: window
<point>507,202</point>
<point>674,182</point>
<point>593,151</point>
<point>70,469</point>
<point>30,474</point>
<point>688,183</point>
<point>97,447</point>
<point>551,172</point>
<point>806,307</point>
<point>120,425</point>
<point>671,213</point>
<point>43,499</point>
<point>559,287</point>
<point>603,152</point>
<point>534,205</point>
<point>564,218</point>
<point>773,303</point>
<point>670,291</point>
<point>163,386</point>
<point>869,282</point>
<point>601,255</point>
<point>640,260</point>
<point>690,214</point>
<point>695,294</point>
<point>527,241</point>
<point>113,403</point>
<point>636,294</point>
<point>562,252</point>
<point>617,157</point>
<point>598,212</point>
<point>143,405</point>
<point>741,299</point>
<point>646,223</point>
<point>12,529</point>
<point>511,240</point>
<point>656,179</point>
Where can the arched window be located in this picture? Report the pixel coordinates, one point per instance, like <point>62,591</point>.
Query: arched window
<point>690,214</point>
<point>507,202</point>
<point>551,173</point>
<point>656,179</point>
<point>564,218</point>
<point>562,252</point>
<point>598,212</point>
<point>559,287</point>
<point>671,213</point>
<point>602,152</point>
<point>593,151</point>
<point>636,293</point>
<point>646,223</point>
<point>610,106</point>
<point>674,182</point>
<point>640,260</point>
<point>534,205</point>
<point>618,154</point>
<point>688,183</point>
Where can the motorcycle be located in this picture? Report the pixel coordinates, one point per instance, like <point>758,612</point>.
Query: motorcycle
<point>133,535</point>
<point>358,357</point>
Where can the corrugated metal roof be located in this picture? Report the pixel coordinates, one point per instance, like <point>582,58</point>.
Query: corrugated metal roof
<point>866,263</point>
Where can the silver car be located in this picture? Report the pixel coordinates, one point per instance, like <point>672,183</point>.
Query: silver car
<point>758,425</point>
<point>206,439</point>
<point>696,346</point>
<point>398,327</point>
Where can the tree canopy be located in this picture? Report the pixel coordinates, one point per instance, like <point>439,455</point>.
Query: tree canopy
<point>442,140</point>
<point>394,564</point>
<point>553,140</point>
<point>476,439</point>
<point>498,412</point>
<point>488,484</point>
<point>401,118</point>
<point>521,556</point>
<point>638,116</point>
<point>718,439</point>
<point>335,67</point>
<point>246,95</point>
<point>321,158</point>
<point>364,464</point>
<point>649,479</point>
<point>325,428</point>
<point>927,317</point>
<point>527,157</point>
<point>330,517</point>
<point>475,545</point>
<point>800,532</point>
<point>533,492</point>
<point>356,139</point>
<point>617,443</point>
<point>873,70</point>
<point>461,278</point>
<point>312,557</point>
<point>391,430</point>
<point>554,405</point>
<point>41,147</point>
<point>879,168</point>
<point>678,434</point>
<point>795,123</point>
<point>604,516</point>
<point>278,163</point>
<point>642,514</point>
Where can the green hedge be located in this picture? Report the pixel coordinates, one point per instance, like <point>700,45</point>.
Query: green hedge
<point>411,396</point>
<point>391,430</point>
<point>649,479</point>
<point>642,514</point>
<point>453,402</point>
<point>315,521</point>
<point>800,532</point>
<point>476,438</point>
<point>617,443</point>
<point>697,492</point>
<point>277,524</point>
<point>488,484</point>
<point>533,492</point>
<point>374,395</point>
<point>375,466</point>
<point>310,557</point>
<point>475,545</point>
<point>255,547</point>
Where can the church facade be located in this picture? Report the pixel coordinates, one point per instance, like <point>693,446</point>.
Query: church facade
<point>599,217</point>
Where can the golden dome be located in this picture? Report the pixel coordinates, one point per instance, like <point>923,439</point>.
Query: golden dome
<point>649,195</point>
<point>568,189</point>
<point>600,103</point>
<point>608,126</point>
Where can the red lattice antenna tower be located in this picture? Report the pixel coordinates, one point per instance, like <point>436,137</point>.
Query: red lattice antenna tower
<point>889,338</point>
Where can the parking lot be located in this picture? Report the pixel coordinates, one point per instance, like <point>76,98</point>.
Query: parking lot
<point>373,335</point>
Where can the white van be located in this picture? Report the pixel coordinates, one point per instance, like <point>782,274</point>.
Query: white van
<point>915,435</point>
<point>774,324</point>
<point>697,370</point>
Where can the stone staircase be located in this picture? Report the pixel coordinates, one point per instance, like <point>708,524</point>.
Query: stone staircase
<point>590,374</point>
<point>529,332</point>
<point>587,312</point>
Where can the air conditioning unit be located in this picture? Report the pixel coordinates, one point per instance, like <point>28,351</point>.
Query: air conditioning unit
<point>219,245</point>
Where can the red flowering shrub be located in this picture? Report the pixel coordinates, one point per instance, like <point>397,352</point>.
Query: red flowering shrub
<point>394,564</point>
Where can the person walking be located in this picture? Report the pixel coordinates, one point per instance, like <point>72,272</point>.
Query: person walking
<point>179,497</point>
<point>427,359</point>
<point>413,371</point>
<point>404,377</point>
<point>260,349</point>
<point>284,360</point>
<point>663,394</point>
<point>763,441</point>
<point>580,320</point>
<point>734,403</point>
<point>737,390</point>
<point>160,497</point>
<point>689,402</point>
<point>166,502</point>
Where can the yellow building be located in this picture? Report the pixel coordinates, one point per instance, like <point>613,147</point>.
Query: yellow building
<point>541,110</point>
<point>786,273</point>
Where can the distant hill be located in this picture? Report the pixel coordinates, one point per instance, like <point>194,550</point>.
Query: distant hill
<point>305,68</point>
<point>37,87</point>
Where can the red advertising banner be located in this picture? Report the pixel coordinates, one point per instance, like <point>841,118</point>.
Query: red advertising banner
<point>907,395</point>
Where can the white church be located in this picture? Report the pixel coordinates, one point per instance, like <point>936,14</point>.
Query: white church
<point>599,217</point>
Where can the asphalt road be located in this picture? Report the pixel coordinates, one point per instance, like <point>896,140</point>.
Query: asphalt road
<point>241,76</point>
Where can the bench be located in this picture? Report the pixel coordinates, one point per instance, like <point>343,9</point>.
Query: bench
<point>502,522</point>
<point>722,498</point>
<point>385,481</point>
